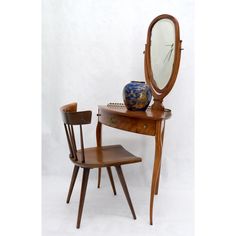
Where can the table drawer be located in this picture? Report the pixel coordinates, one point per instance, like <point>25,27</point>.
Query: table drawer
<point>135,125</point>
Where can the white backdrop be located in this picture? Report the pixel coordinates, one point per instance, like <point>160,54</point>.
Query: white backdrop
<point>90,50</point>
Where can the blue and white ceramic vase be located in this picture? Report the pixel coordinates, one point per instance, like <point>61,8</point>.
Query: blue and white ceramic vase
<point>137,95</point>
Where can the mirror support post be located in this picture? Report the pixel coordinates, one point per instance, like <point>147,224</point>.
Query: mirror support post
<point>157,105</point>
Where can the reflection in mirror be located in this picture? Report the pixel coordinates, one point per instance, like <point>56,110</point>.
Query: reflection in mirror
<point>162,51</point>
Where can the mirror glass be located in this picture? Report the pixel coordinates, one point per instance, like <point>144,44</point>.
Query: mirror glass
<point>162,51</point>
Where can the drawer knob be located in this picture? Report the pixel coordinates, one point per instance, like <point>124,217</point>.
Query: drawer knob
<point>144,126</point>
<point>112,120</point>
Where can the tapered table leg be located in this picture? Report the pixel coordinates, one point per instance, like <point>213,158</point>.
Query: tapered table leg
<point>156,167</point>
<point>159,171</point>
<point>158,180</point>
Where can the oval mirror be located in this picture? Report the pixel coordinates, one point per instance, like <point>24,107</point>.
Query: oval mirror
<point>162,56</point>
<point>162,51</point>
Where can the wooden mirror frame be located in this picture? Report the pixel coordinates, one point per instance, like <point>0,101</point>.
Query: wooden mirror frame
<point>158,93</point>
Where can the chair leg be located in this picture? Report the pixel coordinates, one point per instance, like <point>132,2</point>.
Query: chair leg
<point>99,176</point>
<point>124,186</point>
<point>82,194</point>
<point>111,180</point>
<point>72,182</point>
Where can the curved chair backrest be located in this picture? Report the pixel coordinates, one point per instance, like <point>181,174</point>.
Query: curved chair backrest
<point>72,117</point>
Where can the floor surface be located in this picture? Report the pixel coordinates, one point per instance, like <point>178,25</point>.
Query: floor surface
<point>106,214</point>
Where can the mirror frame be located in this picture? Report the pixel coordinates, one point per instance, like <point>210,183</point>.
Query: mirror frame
<point>158,93</point>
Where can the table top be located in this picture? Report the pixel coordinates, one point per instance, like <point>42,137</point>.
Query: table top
<point>148,114</point>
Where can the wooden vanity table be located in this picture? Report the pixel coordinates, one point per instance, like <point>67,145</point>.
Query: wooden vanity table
<point>161,64</point>
<point>151,122</point>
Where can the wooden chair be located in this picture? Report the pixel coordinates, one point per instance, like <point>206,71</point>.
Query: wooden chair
<point>95,157</point>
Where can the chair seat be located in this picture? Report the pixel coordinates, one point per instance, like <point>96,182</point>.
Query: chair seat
<point>104,156</point>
